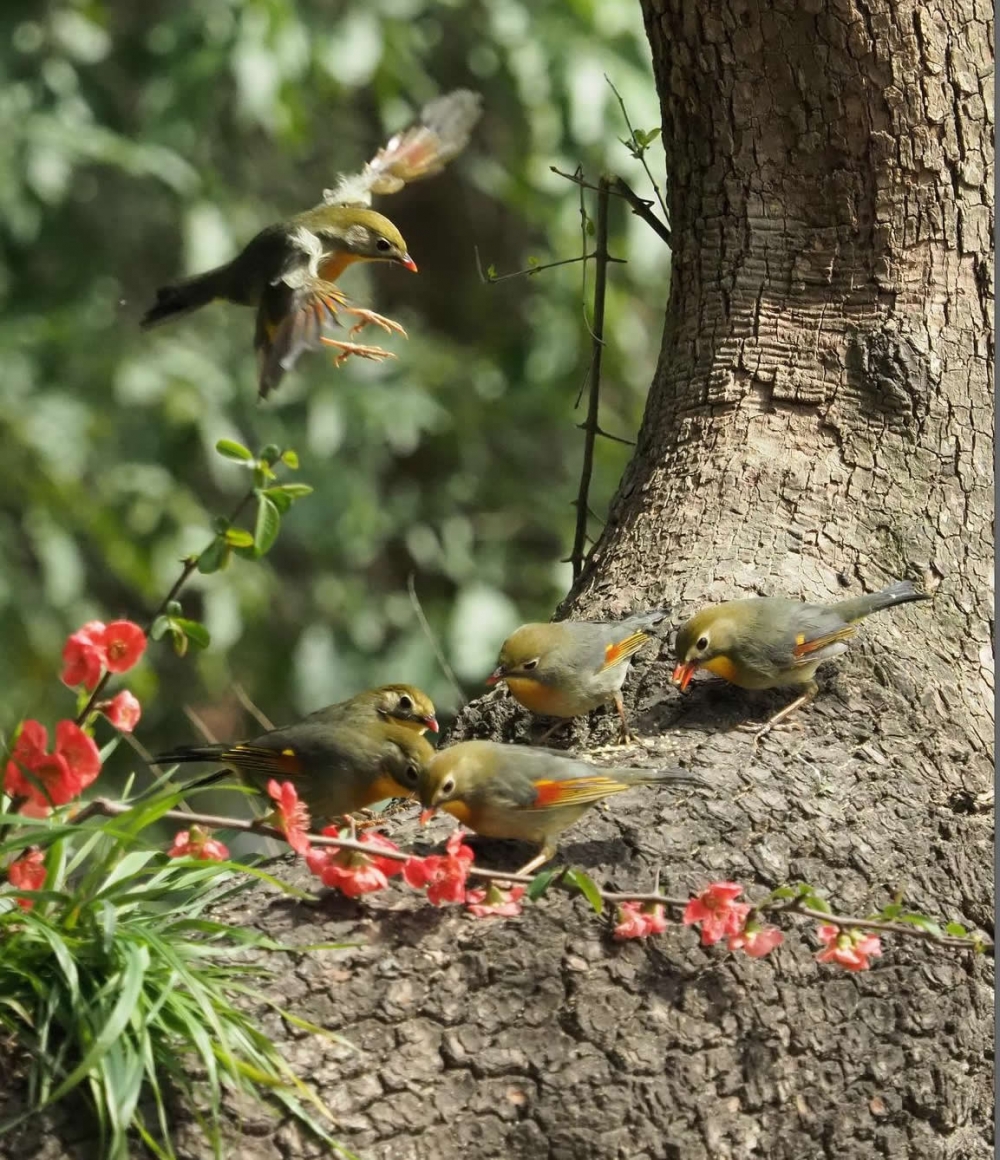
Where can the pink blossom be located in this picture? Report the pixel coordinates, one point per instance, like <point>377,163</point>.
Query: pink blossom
<point>124,643</point>
<point>290,815</point>
<point>196,843</point>
<point>90,650</point>
<point>755,940</point>
<point>28,873</point>
<point>50,779</point>
<point>850,949</point>
<point>84,656</point>
<point>494,902</point>
<point>123,711</point>
<point>353,872</point>
<point>716,911</point>
<point>639,920</point>
<point>443,875</point>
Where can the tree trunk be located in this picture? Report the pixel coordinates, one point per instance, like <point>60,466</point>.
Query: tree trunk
<point>819,424</point>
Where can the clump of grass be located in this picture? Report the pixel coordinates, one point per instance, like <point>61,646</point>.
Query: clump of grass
<point>115,986</point>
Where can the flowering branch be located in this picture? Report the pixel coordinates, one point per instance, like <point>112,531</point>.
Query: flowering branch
<point>786,900</point>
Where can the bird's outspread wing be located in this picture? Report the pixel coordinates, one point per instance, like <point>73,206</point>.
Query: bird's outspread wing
<point>420,151</point>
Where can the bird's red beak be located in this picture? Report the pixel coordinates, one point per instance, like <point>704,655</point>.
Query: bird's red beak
<point>426,815</point>
<point>682,675</point>
<point>432,723</point>
<point>496,676</point>
<point>408,262</point>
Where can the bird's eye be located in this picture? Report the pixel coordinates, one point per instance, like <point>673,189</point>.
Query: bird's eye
<point>405,702</point>
<point>448,786</point>
<point>702,643</point>
<point>529,665</point>
<point>411,775</point>
<point>383,244</point>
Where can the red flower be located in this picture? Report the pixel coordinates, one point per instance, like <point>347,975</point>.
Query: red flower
<point>83,656</point>
<point>97,646</point>
<point>494,902</point>
<point>55,778</point>
<point>290,815</point>
<point>80,752</point>
<point>351,871</point>
<point>756,941</point>
<point>196,843</point>
<point>718,914</point>
<point>638,920</point>
<point>124,643</point>
<point>27,873</point>
<point>850,949</point>
<point>123,711</point>
<point>443,875</point>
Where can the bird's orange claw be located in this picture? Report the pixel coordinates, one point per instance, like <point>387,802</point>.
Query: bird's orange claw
<point>348,348</point>
<point>370,318</point>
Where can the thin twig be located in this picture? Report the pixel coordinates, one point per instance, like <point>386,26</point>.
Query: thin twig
<point>190,564</point>
<point>257,714</point>
<point>200,726</point>
<point>104,807</point>
<point>590,428</point>
<point>638,151</point>
<point>640,207</point>
<point>620,188</point>
<point>442,660</point>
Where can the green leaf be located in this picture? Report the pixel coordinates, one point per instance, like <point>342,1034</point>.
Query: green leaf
<point>587,887</point>
<point>180,640</point>
<point>281,502</point>
<point>921,922</point>
<point>214,558</point>
<point>229,449</point>
<point>533,261</point>
<point>890,912</point>
<point>491,273</point>
<point>294,490</point>
<point>159,627</point>
<point>590,228</point>
<point>270,454</point>
<point>290,459</point>
<point>239,538</point>
<point>540,884</point>
<point>195,631</point>
<point>956,930</point>
<point>267,526</point>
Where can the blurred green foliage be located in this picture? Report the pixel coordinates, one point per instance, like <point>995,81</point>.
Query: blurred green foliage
<point>142,141</point>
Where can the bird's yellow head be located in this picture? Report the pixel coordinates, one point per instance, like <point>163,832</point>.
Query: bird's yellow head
<point>407,706</point>
<point>523,655</point>
<point>709,635</point>
<point>358,234</point>
<point>405,759</point>
<point>450,774</point>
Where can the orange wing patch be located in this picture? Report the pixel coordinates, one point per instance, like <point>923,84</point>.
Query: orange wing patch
<point>621,650</point>
<point>804,647</point>
<point>574,791</point>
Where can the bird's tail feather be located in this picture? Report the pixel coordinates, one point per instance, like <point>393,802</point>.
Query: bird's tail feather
<point>182,297</point>
<point>858,607</point>
<point>185,753</point>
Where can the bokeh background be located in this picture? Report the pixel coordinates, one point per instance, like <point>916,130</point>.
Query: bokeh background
<point>139,142</point>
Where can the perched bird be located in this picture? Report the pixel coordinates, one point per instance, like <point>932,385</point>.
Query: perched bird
<point>289,270</point>
<point>523,792</point>
<point>567,668</point>
<point>770,642</point>
<point>341,758</point>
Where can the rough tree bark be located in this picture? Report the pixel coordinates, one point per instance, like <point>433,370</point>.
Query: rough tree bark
<point>819,423</point>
